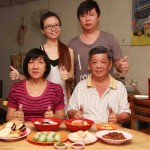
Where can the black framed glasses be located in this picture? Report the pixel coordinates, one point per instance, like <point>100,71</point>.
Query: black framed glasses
<point>50,27</point>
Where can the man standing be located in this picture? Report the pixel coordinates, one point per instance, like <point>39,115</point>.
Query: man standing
<point>88,14</point>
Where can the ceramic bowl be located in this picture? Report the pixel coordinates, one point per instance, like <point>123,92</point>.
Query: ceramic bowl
<point>78,124</point>
<point>77,145</point>
<point>46,124</point>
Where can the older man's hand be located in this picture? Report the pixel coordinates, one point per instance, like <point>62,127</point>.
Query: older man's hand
<point>79,113</point>
<point>112,118</point>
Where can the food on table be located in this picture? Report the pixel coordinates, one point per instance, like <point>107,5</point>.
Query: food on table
<point>61,145</point>
<point>47,137</point>
<point>77,146</point>
<point>79,123</point>
<point>82,136</point>
<point>46,122</point>
<point>13,129</point>
<point>106,126</point>
<point>114,136</point>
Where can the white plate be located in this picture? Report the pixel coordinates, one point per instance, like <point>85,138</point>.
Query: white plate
<point>141,96</point>
<point>14,139</point>
<point>127,135</point>
<point>90,140</point>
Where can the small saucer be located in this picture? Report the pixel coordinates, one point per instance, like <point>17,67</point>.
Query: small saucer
<point>60,145</point>
<point>77,145</point>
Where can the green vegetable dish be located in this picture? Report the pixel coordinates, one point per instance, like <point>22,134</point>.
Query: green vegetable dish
<point>47,137</point>
<point>60,144</point>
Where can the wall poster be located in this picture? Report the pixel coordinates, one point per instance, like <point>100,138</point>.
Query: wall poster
<point>140,22</point>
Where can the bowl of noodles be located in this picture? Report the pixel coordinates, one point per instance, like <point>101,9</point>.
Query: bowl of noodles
<point>79,124</point>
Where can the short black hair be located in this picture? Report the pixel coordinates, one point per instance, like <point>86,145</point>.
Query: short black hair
<point>86,6</point>
<point>100,50</point>
<point>47,15</point>
<point>34,54</point>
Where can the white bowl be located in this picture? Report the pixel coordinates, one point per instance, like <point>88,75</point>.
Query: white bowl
<point>76,145</point>
<point>60,147</point>
<point>127,135</point>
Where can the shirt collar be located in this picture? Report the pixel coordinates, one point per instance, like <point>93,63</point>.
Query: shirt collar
<point>112,85</point>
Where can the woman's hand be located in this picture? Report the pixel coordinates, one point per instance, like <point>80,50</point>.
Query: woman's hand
<point>49,113</point>
<point>64,74</point>
<point>14,74</point>
<point>19,114</point>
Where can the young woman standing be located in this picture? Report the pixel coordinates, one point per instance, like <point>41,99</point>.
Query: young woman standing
<point>60,56</point>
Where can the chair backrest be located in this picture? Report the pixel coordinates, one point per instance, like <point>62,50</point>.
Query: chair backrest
<point>140,110</point>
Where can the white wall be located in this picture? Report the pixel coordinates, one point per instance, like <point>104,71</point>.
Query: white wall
<point>115,18</point>
<point>10,21</point>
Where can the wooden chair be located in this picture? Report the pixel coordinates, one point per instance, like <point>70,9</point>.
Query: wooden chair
<point>140,110</point>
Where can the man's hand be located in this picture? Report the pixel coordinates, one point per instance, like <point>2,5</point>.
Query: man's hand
<point>19,114</point>
<point>124,66</point>
<point>14,74</point>
<point>79,113</point>
<point>49,113</point>
<point>112,118</point>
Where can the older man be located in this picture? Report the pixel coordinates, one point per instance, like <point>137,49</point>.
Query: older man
<point>100,97</point>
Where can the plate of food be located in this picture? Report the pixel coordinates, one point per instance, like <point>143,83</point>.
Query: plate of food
<point>78,124</point>
<point>13,130</point>
<point>85,137</point>
<point>106,126</point>
<point>46,124</point>
<point>47,137</point>
<point>114,136</point>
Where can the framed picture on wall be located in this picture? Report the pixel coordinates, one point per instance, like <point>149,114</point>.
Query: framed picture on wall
<point>140,22</point>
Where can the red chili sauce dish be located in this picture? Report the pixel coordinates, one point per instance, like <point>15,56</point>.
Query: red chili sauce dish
<point>77,145</point>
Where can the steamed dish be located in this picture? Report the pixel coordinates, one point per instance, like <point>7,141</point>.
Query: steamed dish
<point>47,137</point>
<point>82,136</point>
<point>12,129</point>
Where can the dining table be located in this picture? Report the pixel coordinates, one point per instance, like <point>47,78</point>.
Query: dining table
<point>140,141</point>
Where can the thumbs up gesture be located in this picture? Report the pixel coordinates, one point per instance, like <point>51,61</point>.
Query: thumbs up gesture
<point>64,74</point>
<point>112,118</point>
<point>79,113</point>
<point>14,74</point>
<point>49,113</point>
<point>124,66</point>
<point>19,114</point>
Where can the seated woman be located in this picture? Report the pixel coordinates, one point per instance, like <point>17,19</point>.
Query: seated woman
<point>36,97</point>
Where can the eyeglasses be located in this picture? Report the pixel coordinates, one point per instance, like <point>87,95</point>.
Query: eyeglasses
<point>50,27</point>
